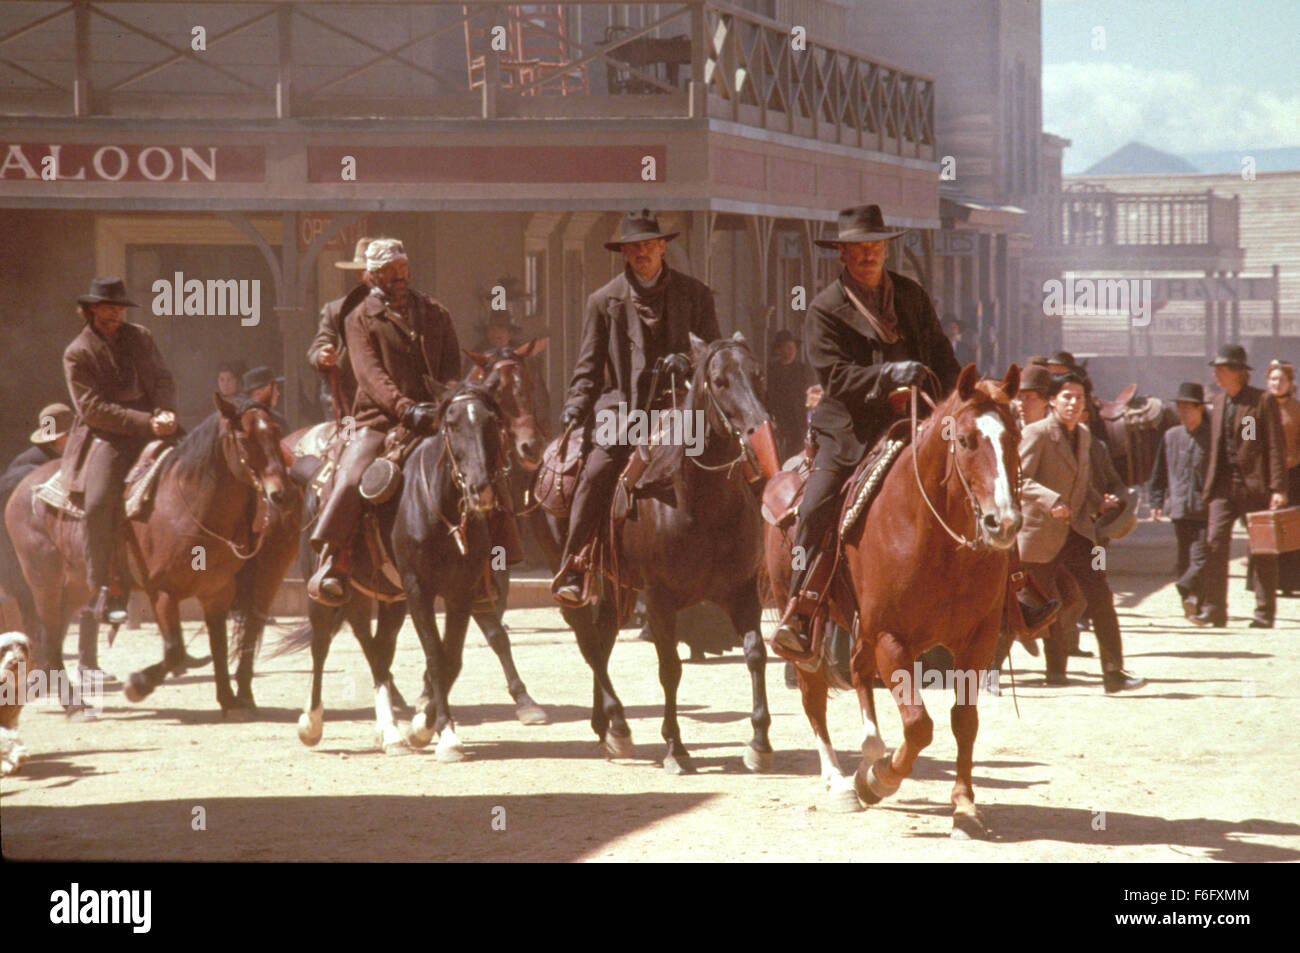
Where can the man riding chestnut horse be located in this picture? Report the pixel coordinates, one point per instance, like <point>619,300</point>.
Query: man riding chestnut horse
<point>871,332</point>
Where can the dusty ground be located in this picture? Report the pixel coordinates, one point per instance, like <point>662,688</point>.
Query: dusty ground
<point>1201,765</point>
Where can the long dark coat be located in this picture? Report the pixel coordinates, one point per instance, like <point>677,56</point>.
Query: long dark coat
<point>1262,461</point>
<point>616,360</point>
<point>329,330</point>
<point>398,364</point>
<point>1177,482</point>
<point>113,401</point>
<point>847,353</point>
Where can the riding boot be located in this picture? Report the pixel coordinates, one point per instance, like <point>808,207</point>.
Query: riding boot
<point>328,584</point>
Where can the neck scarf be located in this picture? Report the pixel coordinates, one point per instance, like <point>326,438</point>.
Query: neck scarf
<point>874,304</point>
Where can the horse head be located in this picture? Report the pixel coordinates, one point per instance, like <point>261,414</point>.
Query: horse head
<point>250,444</point>
<point>978,426</point>
<point>470,423</point>
<point>728,383</point>
<point>505,374</point>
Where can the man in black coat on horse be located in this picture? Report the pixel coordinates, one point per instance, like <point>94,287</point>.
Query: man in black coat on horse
<point>639,321</point>
<point>870,332</point>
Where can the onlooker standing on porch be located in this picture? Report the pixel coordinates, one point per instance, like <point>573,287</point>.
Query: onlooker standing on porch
<point>788,380</point>
<point>1177,486</point>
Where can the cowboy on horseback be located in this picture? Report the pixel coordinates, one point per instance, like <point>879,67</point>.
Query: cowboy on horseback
<point>869,333</point>
<point>403,349</point>
<point>124,397</point>
<point>637,328</point>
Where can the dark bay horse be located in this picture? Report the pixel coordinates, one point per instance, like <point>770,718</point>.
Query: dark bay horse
<point>505,373</point>
<point>448,493</point>
<point>707,543</point>
<point>928,565</point>
<point>218,497</point>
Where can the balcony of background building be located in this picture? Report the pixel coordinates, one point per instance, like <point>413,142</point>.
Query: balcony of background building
<point>436,60</point>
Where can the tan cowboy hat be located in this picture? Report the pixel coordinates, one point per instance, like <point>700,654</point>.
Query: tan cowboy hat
<point>62,417</point>
<point>1119,523</point>
<point>639,226</point>
<point>358,262</point>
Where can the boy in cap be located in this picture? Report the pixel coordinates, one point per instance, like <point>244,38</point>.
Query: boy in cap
<point>1176,488</point>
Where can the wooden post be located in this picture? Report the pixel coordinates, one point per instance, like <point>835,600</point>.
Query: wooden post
<point>284,79</point>
<point>1236,306</point>
<point>83,92</point>
<point>1277,310</point>
<point>1211,341</point>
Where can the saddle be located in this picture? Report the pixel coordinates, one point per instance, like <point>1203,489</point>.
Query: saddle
<point>1132,428</point>
<point>137,490</point>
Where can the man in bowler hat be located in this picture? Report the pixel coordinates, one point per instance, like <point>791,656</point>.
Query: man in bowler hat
<point>1177,487</point>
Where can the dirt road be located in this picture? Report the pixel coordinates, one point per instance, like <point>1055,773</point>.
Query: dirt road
<point>1201,765</point>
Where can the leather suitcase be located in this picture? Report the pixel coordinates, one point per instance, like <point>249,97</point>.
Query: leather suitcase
<point>1274,531</point>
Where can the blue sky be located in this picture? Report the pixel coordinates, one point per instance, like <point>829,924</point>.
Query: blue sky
<point>1180,75</point>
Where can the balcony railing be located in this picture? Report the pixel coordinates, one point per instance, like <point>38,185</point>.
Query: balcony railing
<point>1109,219</point>
<point>398,59</point>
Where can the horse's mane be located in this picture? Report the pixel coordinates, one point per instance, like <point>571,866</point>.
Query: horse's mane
<point>198,455</point>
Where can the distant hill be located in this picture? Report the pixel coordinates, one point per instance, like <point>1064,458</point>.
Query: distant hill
<point>1139,159</point>
<point>1266,160</point>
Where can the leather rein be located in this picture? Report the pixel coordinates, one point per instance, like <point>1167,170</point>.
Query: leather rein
<point>745,453</point>
<point>502,467</point>
<point>234,447</point>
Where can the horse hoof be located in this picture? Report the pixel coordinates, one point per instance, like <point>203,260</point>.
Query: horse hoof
<point>310,728</point>
<point>843,801</point>
<point>757,762</point>
<point>398,747</point>
<point>137,688</point>
<point>236,712</point>
<point>618,747</point>
<point>531,713</point>
<point>450,751</point>
<point>868,784</point>
<point>682,765</point>
<point>967,825</point>
<point>420,734</point>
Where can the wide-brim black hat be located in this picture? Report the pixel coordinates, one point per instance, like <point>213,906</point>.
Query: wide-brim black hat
<point>259,377</point>
<point>107,291</point>
<point>1231,355</point>
<point>1189,393</point>
<point>861,223</point>
<point>639,226</point>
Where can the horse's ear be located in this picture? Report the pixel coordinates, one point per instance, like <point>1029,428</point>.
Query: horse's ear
<point>966,381</point>
<point>1011,381</point>
<point>224,407</point>
<point>698,347</point>
<point>532,348</point>
<point>739,338</point>
<point>482,360</point>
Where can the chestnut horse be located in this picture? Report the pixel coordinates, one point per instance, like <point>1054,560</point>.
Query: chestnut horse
<point>219,495</point>
<point>505,374</point>
<point>928,564</point>
<point>706,544</point>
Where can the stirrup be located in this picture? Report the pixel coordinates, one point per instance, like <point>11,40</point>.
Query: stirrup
<point>788,641</point>
<point>567,587</point>
<point>327,586</point>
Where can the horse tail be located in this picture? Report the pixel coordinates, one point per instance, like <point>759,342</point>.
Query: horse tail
<point>297,640</point>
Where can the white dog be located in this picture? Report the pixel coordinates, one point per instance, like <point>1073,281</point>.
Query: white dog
<point>15,658</point>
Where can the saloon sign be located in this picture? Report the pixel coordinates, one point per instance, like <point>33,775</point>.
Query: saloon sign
<point>88,162</point>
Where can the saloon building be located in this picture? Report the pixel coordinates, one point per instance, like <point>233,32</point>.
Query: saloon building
<point>225,142</point>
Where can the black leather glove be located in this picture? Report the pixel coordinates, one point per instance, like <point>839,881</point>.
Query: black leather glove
<point>570,417</point>
<point>419,418</point>
<point>678,364</point>
<point>901,374</point>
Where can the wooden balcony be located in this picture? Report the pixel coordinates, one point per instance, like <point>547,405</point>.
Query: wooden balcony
<point>1091,230</point>
<point>394,60</point>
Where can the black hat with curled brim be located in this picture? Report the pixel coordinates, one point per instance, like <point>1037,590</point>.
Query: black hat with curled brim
<point>861,223</point>
<point>107,291</point>
<point>639,226</point>
<point>1231,355</point>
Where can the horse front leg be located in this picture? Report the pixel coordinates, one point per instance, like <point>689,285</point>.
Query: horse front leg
<point>432,715</point>
<point>877,780</point>
<point>526,710</point>
<point>663,626</point>
<point>596,631</point>
<point>140,684</point>
<point>324,622</point>
<point>450,747</point>
<point>215,618</point>
<point>969,665</point>
<point>840,796</point>
<point>746,614</point>
<point>380,659</point>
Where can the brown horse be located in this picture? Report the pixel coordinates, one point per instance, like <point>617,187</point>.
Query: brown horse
<point>702,541</point>
<point>928,565</point>
<point>218,496</point>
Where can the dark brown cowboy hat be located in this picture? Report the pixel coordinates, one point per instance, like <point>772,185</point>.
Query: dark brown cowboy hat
<point>107,291</point>
<point>639,226</point>
<point>1231,355</point>
<point>259,377</point>
<point>1037,378</point>
<point>861,223</point>
<point>1190,393</point>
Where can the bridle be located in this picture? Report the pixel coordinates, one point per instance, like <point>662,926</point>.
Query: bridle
<point>234,448</point>
<point>976,544</point>
<point>508,362</point>
<point>500,468</point>
<point>744,452</point>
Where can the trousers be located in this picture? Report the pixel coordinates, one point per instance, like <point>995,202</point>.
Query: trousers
<point>338,518</point>
<point>1190,562</point>
<point>594,495</point>
<point>105,475</point>
<point>1076,559</point>
<point>1225,510</point>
